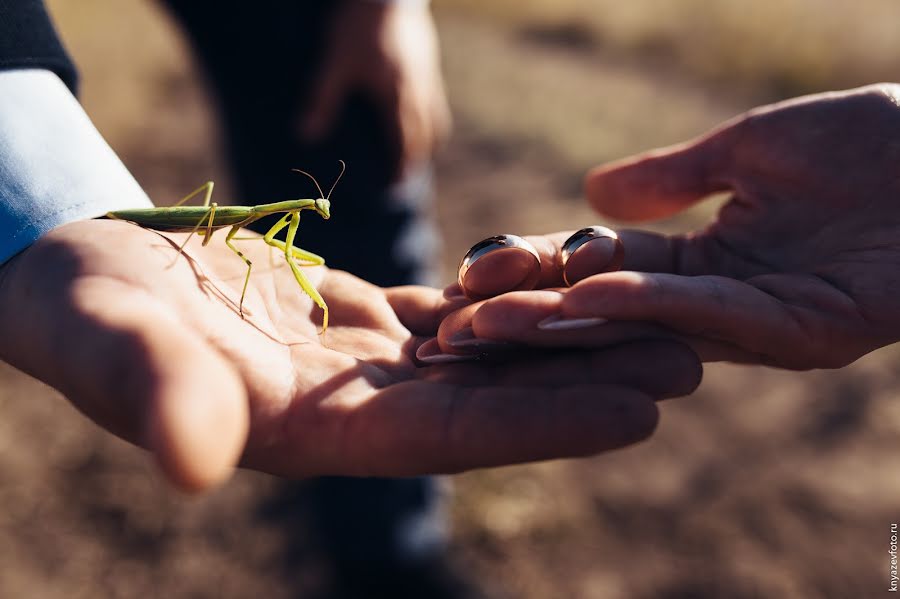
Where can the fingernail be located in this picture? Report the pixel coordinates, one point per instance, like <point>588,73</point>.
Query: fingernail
<point>558,322</point>
<point>466,339</point>
<point>430,353</point>
<point>454,292</point>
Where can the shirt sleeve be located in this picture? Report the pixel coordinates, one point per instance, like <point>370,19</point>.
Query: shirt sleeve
<point>29,40</point>
<point>55,167</point>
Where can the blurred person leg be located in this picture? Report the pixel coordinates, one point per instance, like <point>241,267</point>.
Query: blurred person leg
<point>260,59</point>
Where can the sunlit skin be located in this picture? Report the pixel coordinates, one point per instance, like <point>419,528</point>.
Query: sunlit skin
<point>157,352</point>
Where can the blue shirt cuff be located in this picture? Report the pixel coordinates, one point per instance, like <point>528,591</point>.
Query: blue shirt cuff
<point>55,167</point>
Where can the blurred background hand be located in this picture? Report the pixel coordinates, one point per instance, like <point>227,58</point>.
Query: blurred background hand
<point>387,51</point>
<point>798,271</point>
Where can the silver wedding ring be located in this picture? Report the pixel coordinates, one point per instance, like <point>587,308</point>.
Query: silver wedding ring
<point>521,271</point>
<point>581,238</point>
<point>528,265</point>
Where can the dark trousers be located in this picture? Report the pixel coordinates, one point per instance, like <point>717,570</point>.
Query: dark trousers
<point>262,59</point>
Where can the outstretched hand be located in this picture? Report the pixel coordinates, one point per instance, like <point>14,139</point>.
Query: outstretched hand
<point>154,349</point>
<point>800,270</point>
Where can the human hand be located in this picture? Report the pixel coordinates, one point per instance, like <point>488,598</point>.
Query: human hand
<point>388,51</point>
<point>799,270</point>
<point>156,352</point>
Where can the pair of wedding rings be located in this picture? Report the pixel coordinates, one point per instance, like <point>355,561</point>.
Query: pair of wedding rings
<point>510,263</point>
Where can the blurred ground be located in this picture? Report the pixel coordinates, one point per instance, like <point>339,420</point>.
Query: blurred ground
<point>762,484</point>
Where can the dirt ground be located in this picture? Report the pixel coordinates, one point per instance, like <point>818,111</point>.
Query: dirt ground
<point>761,484</point>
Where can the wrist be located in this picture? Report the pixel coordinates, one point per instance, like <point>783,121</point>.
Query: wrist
<point>55,167</point>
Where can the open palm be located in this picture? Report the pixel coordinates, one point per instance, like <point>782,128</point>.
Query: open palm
<point>154,349</point>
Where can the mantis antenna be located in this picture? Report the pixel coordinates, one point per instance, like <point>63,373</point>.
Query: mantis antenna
<point>333,185</point>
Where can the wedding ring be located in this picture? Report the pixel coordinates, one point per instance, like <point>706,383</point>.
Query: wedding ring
<point>580,239</point>
<point>503,263</point>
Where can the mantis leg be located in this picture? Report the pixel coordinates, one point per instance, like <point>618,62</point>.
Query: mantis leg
<point>282,223</point>
<point>228,242</point>
<point>308,258</point>
<point>304,283</point>
<point>208,233</point>
<point>209,223</point>
<point>300,254</point>
<point>206,187</point>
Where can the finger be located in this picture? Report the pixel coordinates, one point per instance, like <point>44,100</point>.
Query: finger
<point>421,309</point>
<point>659,183</point>
<point>642,251</point>
<point>512,327</point>
<point>502,272</point>
<point>647,251</point>
<point>418,427</point>
<point>586,252</point>
<point>506,265</point>
<point>457,328</point>
<point>548,247</point>
<point>658,368</point>
<point>325,104</point>
<point>137,371</point>
<point>197,417</point>
<point>517,318</point>
<point>814,330</point>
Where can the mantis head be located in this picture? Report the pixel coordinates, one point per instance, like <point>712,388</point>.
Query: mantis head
<point>323,204</point>
<point>323,207</point>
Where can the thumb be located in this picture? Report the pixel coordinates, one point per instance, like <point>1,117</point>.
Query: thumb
<point>196,416</point>
<point>129,364</point>
<point>323,108</point>
<point>665,181</point>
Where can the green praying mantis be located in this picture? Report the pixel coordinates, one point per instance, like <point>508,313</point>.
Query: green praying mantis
<point>210,217</point>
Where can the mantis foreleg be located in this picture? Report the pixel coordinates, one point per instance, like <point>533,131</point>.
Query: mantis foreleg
<point>299,253</point>
<point>308,258</point>
<point>304,283</point>
<point>282,223</point>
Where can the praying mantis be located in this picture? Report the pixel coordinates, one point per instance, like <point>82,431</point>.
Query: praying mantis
<point>210,217</point>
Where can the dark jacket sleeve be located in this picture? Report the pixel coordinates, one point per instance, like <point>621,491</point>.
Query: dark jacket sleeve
<point>29,40</point>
